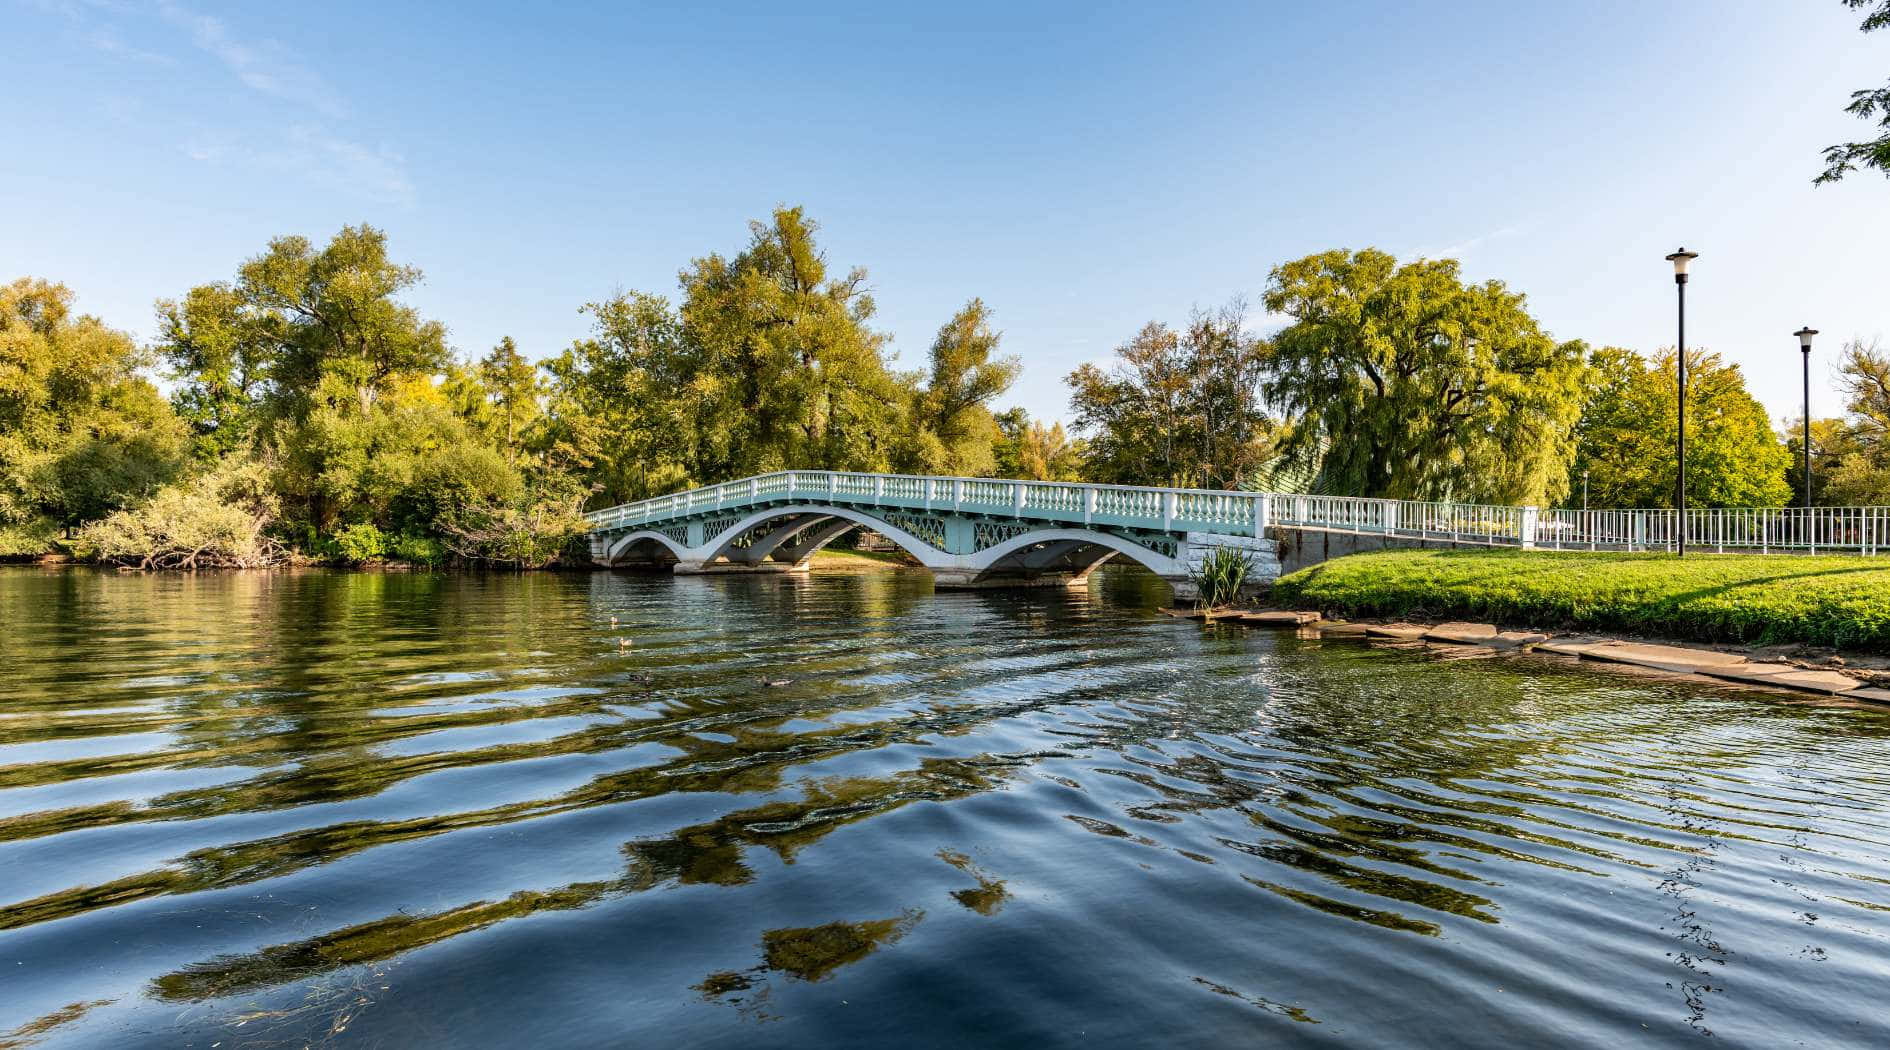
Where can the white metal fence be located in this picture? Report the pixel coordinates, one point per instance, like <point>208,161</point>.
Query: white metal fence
<point>1819,530</point>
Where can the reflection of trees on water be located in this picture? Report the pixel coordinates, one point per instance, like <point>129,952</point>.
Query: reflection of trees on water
<point>807,953</point>
<point>702,854</point>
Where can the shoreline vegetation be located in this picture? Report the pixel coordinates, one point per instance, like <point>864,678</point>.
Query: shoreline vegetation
<point>1759,600</point>
<point>302,411</point>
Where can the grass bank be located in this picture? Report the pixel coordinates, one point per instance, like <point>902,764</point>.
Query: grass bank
<point>1842,602</point>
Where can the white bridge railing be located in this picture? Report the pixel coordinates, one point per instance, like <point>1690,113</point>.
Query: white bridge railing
<point>1834,530</point>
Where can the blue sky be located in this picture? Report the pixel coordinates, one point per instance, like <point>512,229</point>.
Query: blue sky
<point>1084,168</point>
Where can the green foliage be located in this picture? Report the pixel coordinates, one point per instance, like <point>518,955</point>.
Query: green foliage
<point>1851,458</point>
<point>219,362</point>
<point>952,427</point>
<point>1628,432</point>
<point>360,542</point>
<point>218,519</point>
<point>28,539</point>
<point>1220,577</point>
<point>769,364</point>
<point>1177,407</point>
<point>789,373</point>
<point>1866,104</point>
<point>81,433</point>
<point>525,535</point>
<point>1739,597</point>
<point>416,550</point>
<point>1404,382</point>
<point>1030,450</point>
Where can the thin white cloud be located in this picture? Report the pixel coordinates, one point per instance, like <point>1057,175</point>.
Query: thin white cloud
<point>1462,248</point>
<point>263,65</point>
<point>376,173</point>
<point>109,42</point>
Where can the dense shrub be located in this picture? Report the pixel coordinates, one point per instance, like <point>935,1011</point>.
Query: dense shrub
<point>520,537</point>
<point>217,519</point>
<point>416,550</point>
<point>359,543</point>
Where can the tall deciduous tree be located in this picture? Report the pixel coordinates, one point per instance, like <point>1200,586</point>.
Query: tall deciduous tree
<point>514,389</point>
<point>81,432</point>
<point>219,362</point>
<point>786,353</point>
<point>1629,431</point>
<point>1866,104</point>
<point>630,408</point>
<point>1176,407</point>
<point>1402,381</point>
<point>1854,460</point>
<point>953,424</point>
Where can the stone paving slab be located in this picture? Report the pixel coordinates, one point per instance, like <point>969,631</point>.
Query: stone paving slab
<point>1869,692</point>
<point>1280,618</point>
<point>1462,633</point>
<point>1405,632</point>
<point>1332,629</point>
<point>1663,657</point>
<point>1518,640</point>
<point>1570,645</point>
<point>1789,677</point>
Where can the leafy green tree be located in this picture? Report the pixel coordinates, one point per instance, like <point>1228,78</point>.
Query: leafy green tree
<point>1032,451</point>
<point>793,374</point>
<point>1851,456</point>
<point>1840,464</point>
<point>515,389</point>
<point>401,463</point>
<point>1866,104</point>
<point>1628,434</point>
<point>81,432</point>
<point>330,325</point>
<point>1176,407</point>
<point>630,408</point>
<point>954,430</point>
<point>1404,382</point>
<point>219,363</point>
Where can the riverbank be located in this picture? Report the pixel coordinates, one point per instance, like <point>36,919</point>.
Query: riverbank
<point>1839,602</point>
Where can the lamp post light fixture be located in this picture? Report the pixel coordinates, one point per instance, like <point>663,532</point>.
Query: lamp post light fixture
<point>1680,259</point>
<point>1804,344</point>
<point>1584,492</point>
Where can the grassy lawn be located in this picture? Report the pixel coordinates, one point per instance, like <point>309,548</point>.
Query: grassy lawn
<point>1835,601</point>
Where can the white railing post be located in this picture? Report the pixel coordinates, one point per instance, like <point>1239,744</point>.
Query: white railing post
<point>1017,499</point>
<point>754,489</point>
<point>929,484</point>
<point>1389,515</point>
<point>1527,532</point>
<point>1089,504</point>
<point>1168,510</point>
<point>879,490</point>
<point>958,494</point>
<point>1260,513</point>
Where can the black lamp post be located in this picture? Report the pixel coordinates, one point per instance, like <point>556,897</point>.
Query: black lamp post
<point>1804,344</point>
<point>1680,259</point>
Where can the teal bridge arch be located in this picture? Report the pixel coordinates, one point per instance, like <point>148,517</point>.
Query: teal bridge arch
<point>968,532</point>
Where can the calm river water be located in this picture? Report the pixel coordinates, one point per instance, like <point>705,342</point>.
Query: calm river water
<point>392,810</point>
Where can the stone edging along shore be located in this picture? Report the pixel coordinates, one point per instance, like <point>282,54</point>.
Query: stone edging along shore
<point>1712,664</point>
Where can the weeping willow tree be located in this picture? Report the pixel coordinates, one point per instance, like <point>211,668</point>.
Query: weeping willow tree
<point>1402,381</point>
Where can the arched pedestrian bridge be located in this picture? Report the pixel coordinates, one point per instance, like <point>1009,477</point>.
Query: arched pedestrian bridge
<point>973,532</point>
